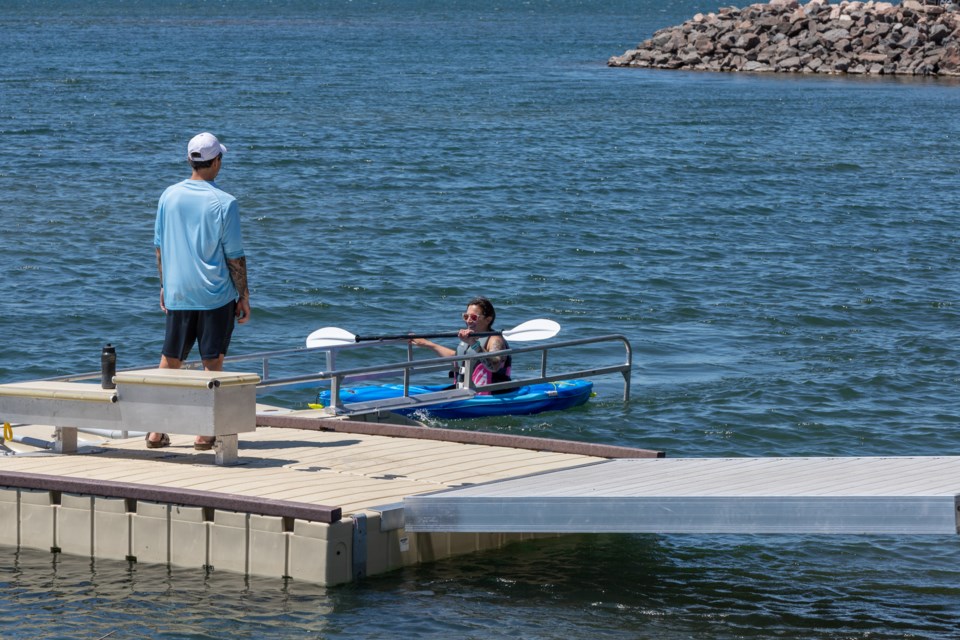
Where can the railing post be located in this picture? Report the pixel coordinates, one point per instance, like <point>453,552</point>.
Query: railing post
<point>467,373</point>
<point>336,403</point>
<point>628,371</point>
<point>406,371</point>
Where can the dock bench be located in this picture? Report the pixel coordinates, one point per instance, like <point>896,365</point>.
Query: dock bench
<point>65,405</point>
<point>200,403</point>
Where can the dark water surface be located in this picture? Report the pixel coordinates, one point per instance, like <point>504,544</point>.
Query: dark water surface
<point>780,251</point>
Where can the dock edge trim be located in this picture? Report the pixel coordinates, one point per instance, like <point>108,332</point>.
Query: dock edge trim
<point>170,495</point>
<point>287,421</point>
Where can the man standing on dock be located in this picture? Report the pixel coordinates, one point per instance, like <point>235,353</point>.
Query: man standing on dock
<point>203,270</point>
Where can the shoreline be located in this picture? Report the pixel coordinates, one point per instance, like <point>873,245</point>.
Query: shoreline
<point>783,36</point>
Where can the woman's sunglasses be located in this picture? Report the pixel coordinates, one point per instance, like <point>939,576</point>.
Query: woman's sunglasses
<point>470,317</point>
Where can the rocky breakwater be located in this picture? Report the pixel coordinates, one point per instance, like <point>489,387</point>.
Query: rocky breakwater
<point>912,38</point>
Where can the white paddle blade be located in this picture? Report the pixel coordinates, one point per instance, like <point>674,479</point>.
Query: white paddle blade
<point>540,329</point>
<point>330,337</point>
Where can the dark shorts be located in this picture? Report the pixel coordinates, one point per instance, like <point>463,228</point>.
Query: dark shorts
<point>211,329</point>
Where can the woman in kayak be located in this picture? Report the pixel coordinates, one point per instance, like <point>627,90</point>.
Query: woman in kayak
<point>479,318</point>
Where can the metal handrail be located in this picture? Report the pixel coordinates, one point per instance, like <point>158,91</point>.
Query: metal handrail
<point>337,377</point>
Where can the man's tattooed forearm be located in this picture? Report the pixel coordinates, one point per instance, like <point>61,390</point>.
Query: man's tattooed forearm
<point>238,273</point>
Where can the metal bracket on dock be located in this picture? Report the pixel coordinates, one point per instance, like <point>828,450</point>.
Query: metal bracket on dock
<point>359,546</point>
<point>956,511</point>
<point>225,450</point>
<point>391,516</point>
<point>65,440</point>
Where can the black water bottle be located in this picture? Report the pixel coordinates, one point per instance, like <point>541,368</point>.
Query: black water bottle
<point>108,367</point>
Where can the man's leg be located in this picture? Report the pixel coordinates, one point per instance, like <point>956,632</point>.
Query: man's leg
<point>170,363</point>
<point>165,363</point>
<point>213,364</point>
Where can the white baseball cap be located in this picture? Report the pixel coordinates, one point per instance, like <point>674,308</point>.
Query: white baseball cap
<point>203,147</point>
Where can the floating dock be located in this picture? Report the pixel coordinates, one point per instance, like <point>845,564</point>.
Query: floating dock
<point>309,497</point>
<point>324,499</point>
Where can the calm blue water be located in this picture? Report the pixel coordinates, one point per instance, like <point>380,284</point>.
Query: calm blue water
<point>781,252</point>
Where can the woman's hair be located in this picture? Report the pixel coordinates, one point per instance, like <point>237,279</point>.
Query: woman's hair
<point>486,306</point>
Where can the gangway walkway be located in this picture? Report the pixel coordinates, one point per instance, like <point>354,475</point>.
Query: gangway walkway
<point>896,495</point>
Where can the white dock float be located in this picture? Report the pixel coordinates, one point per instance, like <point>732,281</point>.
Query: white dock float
<point>896,495</point>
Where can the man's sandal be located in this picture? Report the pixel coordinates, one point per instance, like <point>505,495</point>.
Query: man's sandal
<point>164,441</point>
<point>204,446</point>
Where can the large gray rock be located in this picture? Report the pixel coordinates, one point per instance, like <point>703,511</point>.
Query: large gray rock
<point>835,35</point>
<point>914,37</point>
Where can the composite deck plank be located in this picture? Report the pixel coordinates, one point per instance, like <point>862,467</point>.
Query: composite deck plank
<point>355,471</point>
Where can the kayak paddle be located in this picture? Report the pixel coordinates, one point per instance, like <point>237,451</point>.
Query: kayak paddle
<point>539,329</point>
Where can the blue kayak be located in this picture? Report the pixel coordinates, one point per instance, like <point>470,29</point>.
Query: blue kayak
<point>534,398</point>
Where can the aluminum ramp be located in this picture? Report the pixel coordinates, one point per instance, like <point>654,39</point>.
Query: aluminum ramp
<point>404,402</point>
<point>896,495</point>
